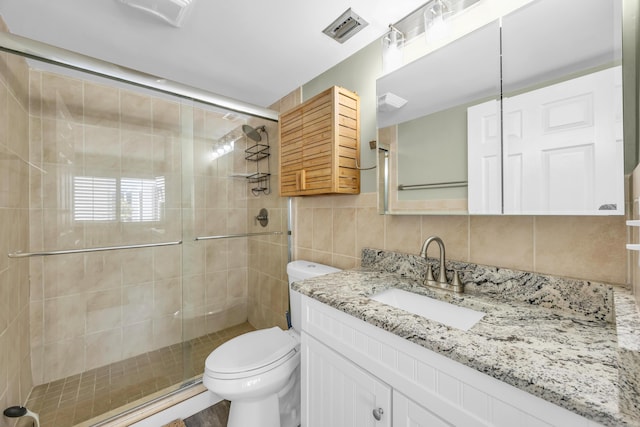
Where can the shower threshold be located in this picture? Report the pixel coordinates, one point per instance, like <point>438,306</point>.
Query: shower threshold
<point>81,397</point>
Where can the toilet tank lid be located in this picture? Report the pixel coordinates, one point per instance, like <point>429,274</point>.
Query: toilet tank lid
<point>302,269</point>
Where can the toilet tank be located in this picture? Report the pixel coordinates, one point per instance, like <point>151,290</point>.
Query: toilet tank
<point>300,270</point>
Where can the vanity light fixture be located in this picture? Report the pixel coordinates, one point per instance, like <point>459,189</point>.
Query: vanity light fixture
<point>435,28</point>
<point>392,44</point>
<point>170,11</point>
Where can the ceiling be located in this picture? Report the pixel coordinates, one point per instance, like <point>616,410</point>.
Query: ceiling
<point>251,50</point>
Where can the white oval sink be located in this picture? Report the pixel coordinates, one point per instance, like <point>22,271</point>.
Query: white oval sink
<point>439,311</point>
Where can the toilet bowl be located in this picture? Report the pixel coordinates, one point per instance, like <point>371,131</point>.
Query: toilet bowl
<point>259,372</point>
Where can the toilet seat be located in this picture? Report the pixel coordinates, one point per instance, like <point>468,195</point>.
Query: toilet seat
<point>251,354</point>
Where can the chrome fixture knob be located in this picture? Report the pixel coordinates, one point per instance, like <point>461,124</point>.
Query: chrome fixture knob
<point>377,414</point>
<point>263,217</point>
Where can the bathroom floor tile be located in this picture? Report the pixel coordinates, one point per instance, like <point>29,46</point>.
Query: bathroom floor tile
<point>75,399</point>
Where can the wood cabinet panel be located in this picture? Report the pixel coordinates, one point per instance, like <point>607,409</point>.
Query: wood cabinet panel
<point>320,145</point>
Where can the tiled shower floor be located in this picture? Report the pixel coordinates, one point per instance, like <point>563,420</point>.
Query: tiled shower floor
<point>72,400</point>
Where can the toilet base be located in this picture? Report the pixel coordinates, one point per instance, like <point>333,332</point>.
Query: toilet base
<point>255,413</point>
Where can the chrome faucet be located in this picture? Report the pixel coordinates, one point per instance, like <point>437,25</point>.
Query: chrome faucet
<point>456,285</point>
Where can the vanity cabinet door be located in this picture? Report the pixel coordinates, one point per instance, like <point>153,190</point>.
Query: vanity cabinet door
<point>407,413</point>
<point>337,393</point>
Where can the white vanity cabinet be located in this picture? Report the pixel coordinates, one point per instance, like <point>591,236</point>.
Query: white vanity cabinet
<point>338,393</point>
<point>351,368</point>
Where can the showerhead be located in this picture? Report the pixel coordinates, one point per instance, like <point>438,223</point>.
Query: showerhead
<point>253,133</point>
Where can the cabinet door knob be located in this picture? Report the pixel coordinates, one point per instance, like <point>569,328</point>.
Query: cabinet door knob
<point>377,414</point>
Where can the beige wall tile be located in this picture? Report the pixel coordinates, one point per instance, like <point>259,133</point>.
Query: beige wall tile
<point>166,117</point>
<point>103,348</point>
<point>137,160</point>
<point>4,115</point>
<point>63,358</point>
<point>138,339</point>
<point>322,229</point>
<point>101,105</point>
<point>62,97</point>
<point>304,227</point>
<point>15,351</point>
<point>454,232</point>
<point>17,128</point>
<point>504,241</point>
<point>5,349</point>
<point>344,262</point>
<point>402,233</point>
<point>167,330</point>
<point>102,150</point>
<point>104,310</point>
<point>237,287</point>
<point>167,262</point>
<point>370,229</point>
<point>17,77</point>
<point>135,112</point>
<point>137,303</point>
<point>344,231</point>
<point>583,247</point>
<point>167,297</point>
<point>193,291</point>
<point>137,266</point>
<point>216,290</point>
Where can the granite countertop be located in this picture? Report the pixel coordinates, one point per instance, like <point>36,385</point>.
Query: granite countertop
<point>566,354</point>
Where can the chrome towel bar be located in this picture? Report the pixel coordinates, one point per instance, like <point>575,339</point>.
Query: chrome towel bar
<point>452,184</point>
<point>233,236</point>
<point>79,251</point>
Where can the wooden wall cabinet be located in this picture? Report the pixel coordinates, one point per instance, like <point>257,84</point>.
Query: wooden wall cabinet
<point>320,145</point>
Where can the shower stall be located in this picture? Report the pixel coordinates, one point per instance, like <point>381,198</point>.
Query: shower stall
<point>128,222</point>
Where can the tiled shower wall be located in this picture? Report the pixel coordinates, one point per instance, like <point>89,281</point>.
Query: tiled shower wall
<point>268,256</point>
<point>91,309</point>
<point>15,363</point>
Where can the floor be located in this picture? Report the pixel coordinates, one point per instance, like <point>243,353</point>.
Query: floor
<point>69,401</point>
<point>215,416</point>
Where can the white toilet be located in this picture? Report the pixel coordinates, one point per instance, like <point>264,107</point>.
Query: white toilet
<point>259,372</point>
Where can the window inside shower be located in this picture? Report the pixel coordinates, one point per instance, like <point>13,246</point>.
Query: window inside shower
<point>108,196</point>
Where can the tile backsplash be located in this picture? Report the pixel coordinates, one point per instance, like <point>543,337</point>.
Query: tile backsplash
<point>334,229</point>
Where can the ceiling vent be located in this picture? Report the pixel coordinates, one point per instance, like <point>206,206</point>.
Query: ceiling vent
<point>345,26</point>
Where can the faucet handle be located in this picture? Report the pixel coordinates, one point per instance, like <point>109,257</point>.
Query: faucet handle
<point>429,277</point>
<point>456,283</point>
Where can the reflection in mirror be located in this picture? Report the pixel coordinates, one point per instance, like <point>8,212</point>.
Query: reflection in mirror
<point>562,144</point>
<point>427,135</point>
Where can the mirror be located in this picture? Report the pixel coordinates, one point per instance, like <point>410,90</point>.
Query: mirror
<point>427,134</point>
<point>453,106</point>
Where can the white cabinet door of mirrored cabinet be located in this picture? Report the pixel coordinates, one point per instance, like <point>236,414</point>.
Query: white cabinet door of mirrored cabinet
<point>484,142</point>
<point>562,150</point>
<point>562,147</point>
<point>563,143</point>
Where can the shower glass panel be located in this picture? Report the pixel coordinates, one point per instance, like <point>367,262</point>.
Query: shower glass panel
<point>106,165</point>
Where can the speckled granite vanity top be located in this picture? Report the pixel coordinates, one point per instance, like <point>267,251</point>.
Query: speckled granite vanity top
<point>558,339</point>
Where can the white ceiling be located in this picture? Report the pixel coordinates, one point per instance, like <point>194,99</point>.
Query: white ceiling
<point>251,50</point>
